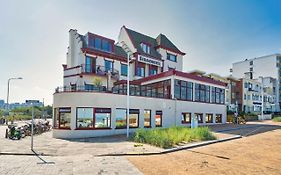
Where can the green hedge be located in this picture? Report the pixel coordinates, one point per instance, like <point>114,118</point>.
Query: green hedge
<point>277,119</point>
<point>169,137</point>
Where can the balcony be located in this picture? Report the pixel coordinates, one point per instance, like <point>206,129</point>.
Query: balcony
<point>91,69</point>
<point>86,88</point>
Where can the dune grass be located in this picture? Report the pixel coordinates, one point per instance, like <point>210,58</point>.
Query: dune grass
<point>169,137</point>
<point>277,119</point>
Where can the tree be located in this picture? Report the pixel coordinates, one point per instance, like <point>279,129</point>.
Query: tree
<point>97,82</point>
<point>1,113</point>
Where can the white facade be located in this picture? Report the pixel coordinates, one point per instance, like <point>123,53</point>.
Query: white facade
<point>265,66</point>
<point>171,109</point>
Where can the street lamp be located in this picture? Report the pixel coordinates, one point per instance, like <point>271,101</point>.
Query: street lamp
<point>8,92</point>
<point>129,54</point>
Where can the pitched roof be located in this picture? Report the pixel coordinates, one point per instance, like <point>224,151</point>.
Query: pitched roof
<point>120,51</point>
<point>138,38</point>
<point>164,42</point>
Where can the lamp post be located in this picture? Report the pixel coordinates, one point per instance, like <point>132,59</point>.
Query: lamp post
<point>8,91</point>
<point>129,54</point>
<point>32,128</point>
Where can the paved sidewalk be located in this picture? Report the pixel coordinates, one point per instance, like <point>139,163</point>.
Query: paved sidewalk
<point>66,165</point>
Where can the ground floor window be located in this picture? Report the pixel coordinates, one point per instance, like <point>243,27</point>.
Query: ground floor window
<point>209,118</point>
<point>218,118</point>
<point>64,118</point>
<point>158,119</point>
<point>134,118</point>
<point>84,117</point>
<point>147,118</point>
<point>102,117</point>
<point>121,119</point>
<point>186,117</point>
<point>199,117</point>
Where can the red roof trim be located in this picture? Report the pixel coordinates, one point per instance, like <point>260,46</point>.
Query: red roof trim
<point>198,78</point>
<point>104,54</point>
<point>102,37</point>
<point>169,49</point>
<point>174,72</point>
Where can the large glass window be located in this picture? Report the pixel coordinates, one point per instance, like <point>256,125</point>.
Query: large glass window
<point>183,90</point>
<point>97,43</point>
<point>160,89</point>
<point>177,89</point>
<point>218,95</point>
<point>189,91</point>
<point>134,118</point>
<point>106,46</point>
<point>84,117</point>
<point>108,65</point>
<point>209,118</point>
<point>171,57</point>
<point>202,93</point>
<point>158,119</point>
<point>141,70</point>
<point>121,118</point>
<point>102,117</point>
<point>147,118</point>
<point>124,69</point>
<point>186,117</point>
<point>64,117</point>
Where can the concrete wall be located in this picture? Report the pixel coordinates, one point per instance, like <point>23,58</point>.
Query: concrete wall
<point>172,110</point>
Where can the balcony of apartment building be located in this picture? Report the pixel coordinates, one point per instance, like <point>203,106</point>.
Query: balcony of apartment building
<point>90,69</point>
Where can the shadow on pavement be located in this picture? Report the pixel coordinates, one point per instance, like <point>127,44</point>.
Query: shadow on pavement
<point>248,129</point>
<point>104,139</point>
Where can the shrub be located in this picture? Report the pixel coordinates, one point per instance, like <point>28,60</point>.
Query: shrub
<point>277,119</point>
<point>169,137</point>
<point>251,117</point>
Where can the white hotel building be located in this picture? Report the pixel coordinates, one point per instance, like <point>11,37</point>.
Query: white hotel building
<point>92,101</point>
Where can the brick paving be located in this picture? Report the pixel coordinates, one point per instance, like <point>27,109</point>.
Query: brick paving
<point>79,156</point>
<point>66,165</point>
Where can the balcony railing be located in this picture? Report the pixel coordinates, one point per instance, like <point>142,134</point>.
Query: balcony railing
<point>99,70</point>
<point>86,88</point>
<point>91,69</point>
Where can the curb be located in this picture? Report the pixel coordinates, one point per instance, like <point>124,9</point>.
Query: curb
<point>195,145</point>
<point>23,154</point>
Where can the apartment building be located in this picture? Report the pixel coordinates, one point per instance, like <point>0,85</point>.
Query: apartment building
<point>265,66</point>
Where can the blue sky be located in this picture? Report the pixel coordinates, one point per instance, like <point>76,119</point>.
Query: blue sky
<point>213,33</point>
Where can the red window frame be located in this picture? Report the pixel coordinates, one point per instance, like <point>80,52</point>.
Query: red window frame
<point>161,117</point>
<point>59,127</point>
<point>149,118</point>
<point>102,111</point>
<point>183,121</point>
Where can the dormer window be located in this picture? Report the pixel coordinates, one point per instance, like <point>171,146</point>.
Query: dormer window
<point>100,43</point>
<point>145,48</point>
<point>171,57</point>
